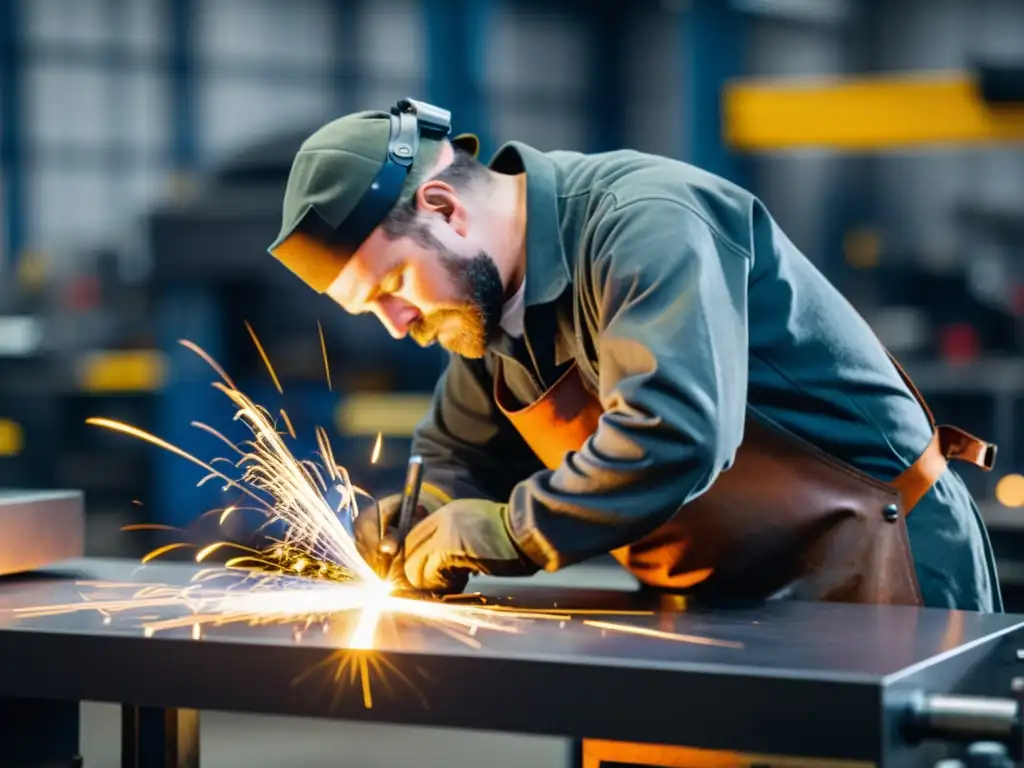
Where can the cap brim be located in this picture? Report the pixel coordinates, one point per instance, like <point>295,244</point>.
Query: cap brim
<point>308,252</point>
<point>310,259</point>
<point>467,142</point>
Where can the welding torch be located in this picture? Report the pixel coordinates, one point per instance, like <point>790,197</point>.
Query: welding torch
<point>392,543</point>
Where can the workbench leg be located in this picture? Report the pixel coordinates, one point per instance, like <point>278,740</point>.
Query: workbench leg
<point>576,753</point>
<point>40,733</point>
<point>158,737</point>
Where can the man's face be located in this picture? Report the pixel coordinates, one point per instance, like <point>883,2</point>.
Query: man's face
<point>431,285</point>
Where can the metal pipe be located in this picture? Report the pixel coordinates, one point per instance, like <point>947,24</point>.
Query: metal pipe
<point>953,717</point>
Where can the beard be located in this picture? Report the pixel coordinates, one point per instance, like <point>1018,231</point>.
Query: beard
<point>470,322</point>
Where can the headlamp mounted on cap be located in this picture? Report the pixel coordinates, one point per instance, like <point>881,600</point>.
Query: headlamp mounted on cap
<point>316,250</point>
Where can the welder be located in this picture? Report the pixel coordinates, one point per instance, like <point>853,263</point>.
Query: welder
<point>641,364</point>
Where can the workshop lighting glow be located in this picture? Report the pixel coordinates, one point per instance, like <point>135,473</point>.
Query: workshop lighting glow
<point>1010,490</point>
<point>314,575</point>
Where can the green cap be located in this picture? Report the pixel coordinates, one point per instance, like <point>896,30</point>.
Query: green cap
<point>346,177</point>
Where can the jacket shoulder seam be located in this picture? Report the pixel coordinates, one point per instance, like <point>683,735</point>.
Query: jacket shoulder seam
<point>715,231</point>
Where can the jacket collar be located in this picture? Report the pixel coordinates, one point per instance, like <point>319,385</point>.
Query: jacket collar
<point>547,270</point>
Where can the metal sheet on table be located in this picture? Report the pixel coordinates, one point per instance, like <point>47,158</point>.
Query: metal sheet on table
<point>809,671</point>
<point>38,528</point>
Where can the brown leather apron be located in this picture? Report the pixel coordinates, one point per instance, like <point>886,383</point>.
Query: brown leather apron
<point>786,520</point>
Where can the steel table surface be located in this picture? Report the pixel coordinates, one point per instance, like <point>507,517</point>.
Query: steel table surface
<point>812,677</point>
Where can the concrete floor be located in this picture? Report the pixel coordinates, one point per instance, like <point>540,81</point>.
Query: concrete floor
<point>234,741</point>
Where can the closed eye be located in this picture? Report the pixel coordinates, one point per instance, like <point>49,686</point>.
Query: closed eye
<point>392,283</point>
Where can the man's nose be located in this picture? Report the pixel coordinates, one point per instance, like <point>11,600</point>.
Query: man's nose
<point>396,315</point>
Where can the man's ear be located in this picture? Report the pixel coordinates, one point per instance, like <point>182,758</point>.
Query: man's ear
<point>440,199</point>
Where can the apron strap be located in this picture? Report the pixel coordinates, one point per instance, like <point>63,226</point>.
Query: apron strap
<point>951,442</point>
<point>947,443</point>
<point>963,446</point>
<point>916,480</point>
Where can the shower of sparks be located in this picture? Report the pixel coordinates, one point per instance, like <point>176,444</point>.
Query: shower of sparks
<point>275,598</point>
<point>313,575</point>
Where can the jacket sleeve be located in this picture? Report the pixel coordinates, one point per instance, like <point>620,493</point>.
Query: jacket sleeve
<point>670,298</point>
<point>469,448</point>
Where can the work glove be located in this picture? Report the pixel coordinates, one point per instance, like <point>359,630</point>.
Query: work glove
<point>463,537</point>
<point>368,523</point>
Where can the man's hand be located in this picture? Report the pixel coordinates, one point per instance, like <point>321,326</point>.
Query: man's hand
<point>383,516</point>
<point>463,537</point>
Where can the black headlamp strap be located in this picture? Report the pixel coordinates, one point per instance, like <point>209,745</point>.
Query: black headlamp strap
<point>409,120</point>
<point>404,142</point>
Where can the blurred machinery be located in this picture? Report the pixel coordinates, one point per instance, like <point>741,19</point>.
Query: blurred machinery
<point>93,340</point>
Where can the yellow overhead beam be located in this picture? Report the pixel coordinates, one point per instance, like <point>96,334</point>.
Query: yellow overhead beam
<point>121,371</point>
<point>866,114</point>
<point>392,414</point>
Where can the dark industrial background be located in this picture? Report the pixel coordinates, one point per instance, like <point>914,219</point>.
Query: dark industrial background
<point>144,146</point>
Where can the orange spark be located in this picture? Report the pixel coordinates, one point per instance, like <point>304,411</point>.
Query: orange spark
<point>209,361</point>
<point>323,349</point>
<point>208,550</point>
<point>266,360</point>
<point>164,550</point>
<point>288,424</point>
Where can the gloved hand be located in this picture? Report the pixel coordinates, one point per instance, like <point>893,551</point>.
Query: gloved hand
<point>384,516</point>
<point>463,537</point>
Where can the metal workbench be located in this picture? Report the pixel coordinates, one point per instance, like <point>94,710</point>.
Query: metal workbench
<point>812,682</point>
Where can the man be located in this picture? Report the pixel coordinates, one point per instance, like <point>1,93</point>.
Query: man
<point>642,364</point>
